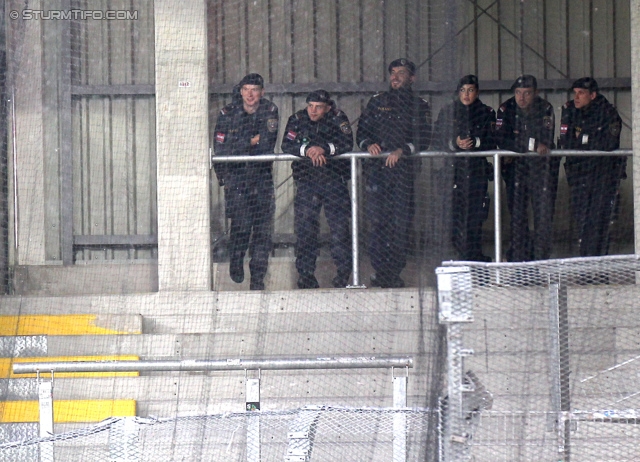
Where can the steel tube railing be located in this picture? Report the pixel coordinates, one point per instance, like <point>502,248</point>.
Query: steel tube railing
<point>497,202</point>
<point>202,365</point>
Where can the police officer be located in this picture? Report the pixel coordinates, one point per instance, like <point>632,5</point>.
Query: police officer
<point>468,125</point>
<point>590,123</point>
<point>399,122</point>
<point>248,127</point>
<point>318,133</point>
<point>526,123</point>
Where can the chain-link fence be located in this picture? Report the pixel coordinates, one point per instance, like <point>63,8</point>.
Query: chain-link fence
<point>542,359</point>
<point>319,433</point>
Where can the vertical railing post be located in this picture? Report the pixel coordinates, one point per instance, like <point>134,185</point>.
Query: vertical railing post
<point>354,221</point>
<point>399,418</point>
<point>497,221</point>
<point>252,396</point>
<point>45,404</point>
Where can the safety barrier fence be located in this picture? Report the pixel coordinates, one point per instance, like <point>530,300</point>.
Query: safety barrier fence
<point>127,442</point>
<point>542,360</point>
<point>496,155</point>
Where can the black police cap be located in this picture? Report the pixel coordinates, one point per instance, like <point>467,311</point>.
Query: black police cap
<point>252,79</point>
<point>319,96</point>
<point>587,83</point>
<point>402,62</point>
<point>525,81</point>
<point>468,80</point>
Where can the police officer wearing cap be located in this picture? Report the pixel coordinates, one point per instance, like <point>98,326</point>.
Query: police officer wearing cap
<point>396,121</point>
<point>468,125</point>
<point>590,123</point>
<point>248,127</point>
<point>318,133</point>
<point>526,123</point>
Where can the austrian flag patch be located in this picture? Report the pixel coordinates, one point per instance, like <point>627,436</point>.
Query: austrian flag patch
<point>220,137</point>
<point>563,129</point>
<point>291,135</point>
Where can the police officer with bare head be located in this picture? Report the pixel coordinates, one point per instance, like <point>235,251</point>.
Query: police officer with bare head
<point>248,127</point>
<point>396,121</point>
<point>466,125</point>
<point>318,133</point>
<point>526,123</point>
<point>590,123</point>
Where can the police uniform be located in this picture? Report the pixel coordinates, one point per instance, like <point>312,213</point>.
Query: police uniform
<point>593,180</point>
<point>249,194</point>
<point>471,174</point>
<point>529,179</point>
<point>318,186</point>
<point>395,119</point>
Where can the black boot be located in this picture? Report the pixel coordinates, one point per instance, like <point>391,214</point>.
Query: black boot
<point>307,281</point>
<point>236,268</point>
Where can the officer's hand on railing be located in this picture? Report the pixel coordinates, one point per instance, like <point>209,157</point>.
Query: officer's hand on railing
<point>316,154</point>
<point>542,149</point>
<point>374,149</point>
<point>393,158</point>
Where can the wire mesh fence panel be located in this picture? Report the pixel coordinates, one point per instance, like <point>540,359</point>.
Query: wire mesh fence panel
<point>549,342</point>
<point>334,433</point>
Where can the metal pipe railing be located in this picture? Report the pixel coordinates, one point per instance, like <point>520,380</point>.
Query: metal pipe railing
<point>207,365</point>
<point>497,203</point>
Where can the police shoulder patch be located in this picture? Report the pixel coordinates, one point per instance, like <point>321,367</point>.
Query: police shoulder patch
<point>345,127</point>
<point>547,122</point>
<point>615,128</point>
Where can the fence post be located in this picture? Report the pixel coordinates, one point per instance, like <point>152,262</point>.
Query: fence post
<point>253,425</point>
<point>45,404</point>
<point>124,440</point>
<point>455,309</point>
<point>559,365</point>
<point>399,418</point>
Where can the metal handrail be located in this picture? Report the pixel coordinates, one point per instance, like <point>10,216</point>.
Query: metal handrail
<point>202,365</point>
<point>497,154</point>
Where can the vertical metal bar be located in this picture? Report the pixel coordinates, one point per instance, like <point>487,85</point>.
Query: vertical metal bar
<point>521,36</point>
<point>399,419</point>
<point>66,159</point>
<point>455,307</point>
<point>559,366</point>
<point>124,440</point>
<point>253,422</point>
<point>45,404</point>
<point>354,221</point>
<point>497,219</point>
<point>16,220</point>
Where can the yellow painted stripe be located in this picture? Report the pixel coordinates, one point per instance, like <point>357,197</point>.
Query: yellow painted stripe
<point>75,324</point>
<point>6,369</point>
<point>68,411</point>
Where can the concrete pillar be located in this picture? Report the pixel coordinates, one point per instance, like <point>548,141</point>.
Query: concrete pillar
<point>184,261</point>
<point>27,123</point>
<point>635,115</point>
